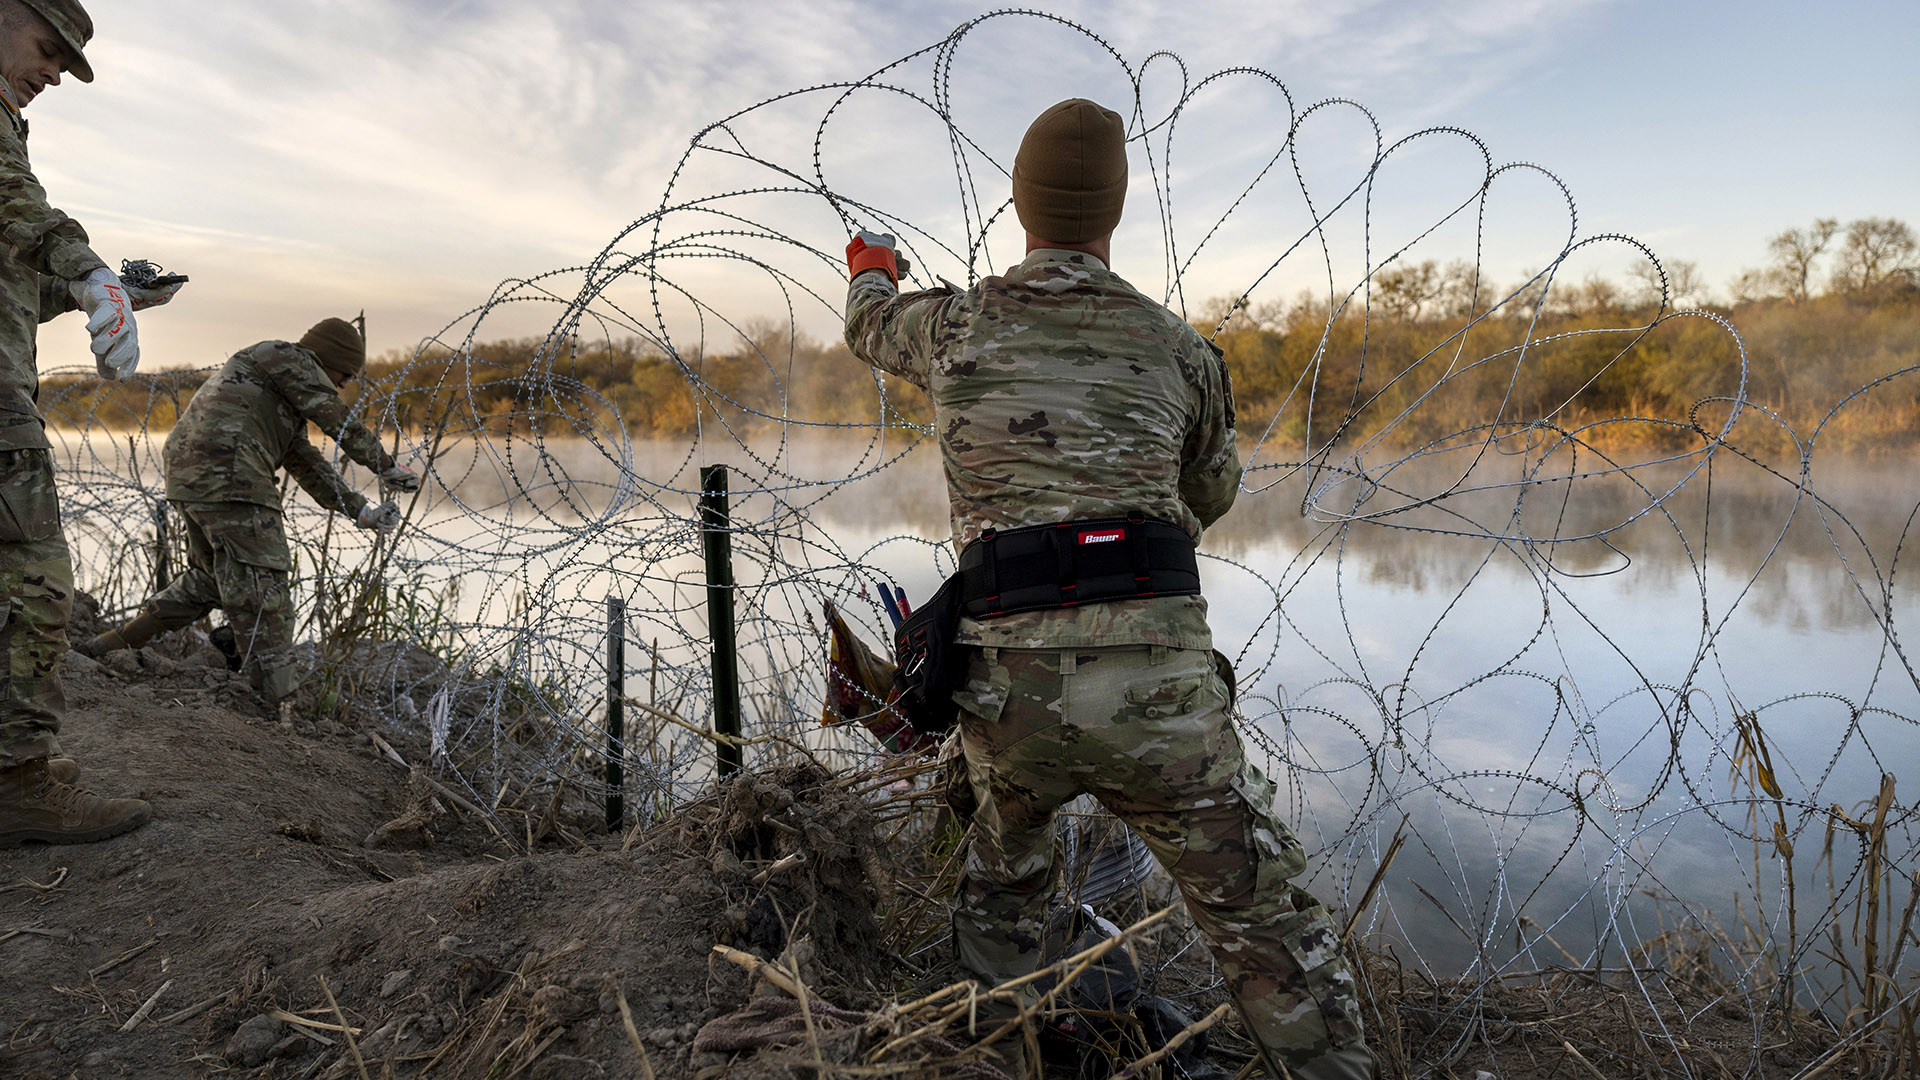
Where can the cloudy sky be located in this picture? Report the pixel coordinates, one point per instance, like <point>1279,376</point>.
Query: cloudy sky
<point>307,157</point>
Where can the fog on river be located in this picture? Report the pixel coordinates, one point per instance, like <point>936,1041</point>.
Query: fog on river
<point>1539,667</point>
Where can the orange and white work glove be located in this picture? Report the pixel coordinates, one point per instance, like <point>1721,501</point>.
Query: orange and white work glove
<point>116,342</point>
<point>874,251</point>
<point>384,517</point>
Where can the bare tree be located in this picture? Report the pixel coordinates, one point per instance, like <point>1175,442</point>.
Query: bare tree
<point>1689,288</point>
<point>1594,296</point>
<point>1459,283</point>
<point>1877,250</point>
<point>1794,252</point>
<point>1215,310</point>
<point>1272,315</point>
<point>1531,299</point>
<point>1404,291</point>
<point>1310,311</point>
<point>1753,286</point>
<point>1682,286</point>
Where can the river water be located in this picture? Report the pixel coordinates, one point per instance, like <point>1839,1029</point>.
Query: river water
<point>1543,679</point>
<point>1541,675</point>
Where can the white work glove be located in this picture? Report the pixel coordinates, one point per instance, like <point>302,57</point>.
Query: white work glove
<point>385,517</point>
<point>400,478</point>
<point>146,298</point>
<point>116,343</point>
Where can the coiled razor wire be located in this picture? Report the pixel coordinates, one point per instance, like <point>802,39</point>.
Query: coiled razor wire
<point>1570,789</point>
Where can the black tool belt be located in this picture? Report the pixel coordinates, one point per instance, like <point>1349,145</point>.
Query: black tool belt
<point>1036,568</point>
<point>929,665</point>
<point>1041,567</point>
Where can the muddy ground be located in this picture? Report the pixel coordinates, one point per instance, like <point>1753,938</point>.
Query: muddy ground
<point>254,908</point>
<point>296,880</point>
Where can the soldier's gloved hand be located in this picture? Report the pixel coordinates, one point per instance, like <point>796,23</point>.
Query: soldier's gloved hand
<point>146,298</point>
<point>116,342</point>
<point>400,478</point>
<point>874,251</point>
<point>385,517</point>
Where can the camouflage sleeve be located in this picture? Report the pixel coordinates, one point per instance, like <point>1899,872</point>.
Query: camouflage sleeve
<point>895,332</point>
<point>295,375</point>
<point>55,297</point>
<point>41,237</point>
<point>314,473</point>
<point>1210,460</point>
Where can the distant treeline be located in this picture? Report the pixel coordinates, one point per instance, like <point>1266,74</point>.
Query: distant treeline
<point>1419,357</point>
<point>1428,351</point>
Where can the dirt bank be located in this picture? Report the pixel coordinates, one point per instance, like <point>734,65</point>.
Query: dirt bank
<point>253,905</point>
<point>296,881</point>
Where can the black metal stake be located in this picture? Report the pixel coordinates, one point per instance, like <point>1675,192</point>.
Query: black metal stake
<point>616,711</point>
<point>717,543</point>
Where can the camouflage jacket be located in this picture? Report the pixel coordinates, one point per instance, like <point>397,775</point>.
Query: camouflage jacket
<point>1061,393</point>
<point>46,251</point>
<point>250,419</point>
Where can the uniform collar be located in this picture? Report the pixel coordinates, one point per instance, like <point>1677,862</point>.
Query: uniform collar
<point>1046,256</point>
<point>14,117</point>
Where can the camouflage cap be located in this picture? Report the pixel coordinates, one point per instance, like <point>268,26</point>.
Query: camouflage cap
<point>74,26</point>
<point>338,345</point>
<point>1070,176</point>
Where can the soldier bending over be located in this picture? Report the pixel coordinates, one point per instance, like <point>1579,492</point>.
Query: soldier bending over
<point>1083,425</point>
<point>222,462</point>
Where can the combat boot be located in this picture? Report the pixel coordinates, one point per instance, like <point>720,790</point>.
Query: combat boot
<point>223,639</point>
<point>35,806</point>
<point>142,629</point>
<point>63,770</point>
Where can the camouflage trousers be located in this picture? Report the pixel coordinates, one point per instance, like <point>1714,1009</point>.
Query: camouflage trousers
<point>238,561</point>
<point>1147,731</point>
<point>36,582</point>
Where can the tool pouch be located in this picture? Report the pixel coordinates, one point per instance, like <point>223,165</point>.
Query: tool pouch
<point>930,666</point>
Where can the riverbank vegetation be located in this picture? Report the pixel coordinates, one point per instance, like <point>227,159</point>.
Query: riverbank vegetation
<point>1824,340</point>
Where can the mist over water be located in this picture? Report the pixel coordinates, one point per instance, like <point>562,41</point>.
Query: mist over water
<point>1554,719</point>
<point>1562,713</point>
<point>1524,700</point>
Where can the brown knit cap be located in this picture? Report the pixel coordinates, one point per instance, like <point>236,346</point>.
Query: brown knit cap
<point>338,346</point>
<point>1070,176</point>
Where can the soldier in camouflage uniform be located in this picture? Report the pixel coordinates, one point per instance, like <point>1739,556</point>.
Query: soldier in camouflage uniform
<point>1060,393</point>
<point>47,269</point>
<point>223,460</point>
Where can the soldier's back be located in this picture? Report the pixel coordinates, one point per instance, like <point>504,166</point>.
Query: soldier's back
<point>227,445</point>
<point>1065,394</point>
<point>1061,393</point>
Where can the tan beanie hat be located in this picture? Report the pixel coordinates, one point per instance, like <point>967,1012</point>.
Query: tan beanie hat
<point>1070,176</point>
<point>338,346</point>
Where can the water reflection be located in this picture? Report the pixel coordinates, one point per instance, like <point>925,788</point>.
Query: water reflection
<point>1544,681</point>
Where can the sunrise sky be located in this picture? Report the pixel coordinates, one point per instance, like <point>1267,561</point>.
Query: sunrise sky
<point>308,157</point>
